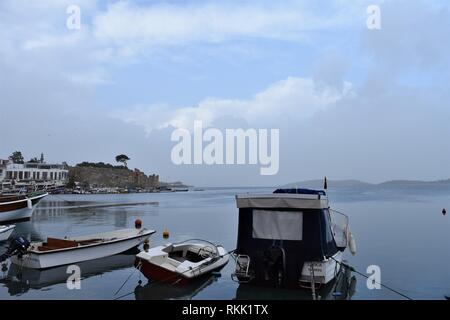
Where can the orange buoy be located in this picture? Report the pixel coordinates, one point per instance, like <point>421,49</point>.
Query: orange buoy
<point>138,224</point>
<point>166,234</point>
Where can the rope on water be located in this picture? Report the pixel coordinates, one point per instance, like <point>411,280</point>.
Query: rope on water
<point>367,277</point>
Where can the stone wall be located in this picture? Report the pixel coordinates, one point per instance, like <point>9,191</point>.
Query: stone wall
<point>112,177</point>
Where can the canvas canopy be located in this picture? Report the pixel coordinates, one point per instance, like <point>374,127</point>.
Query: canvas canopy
<point>282,201</point>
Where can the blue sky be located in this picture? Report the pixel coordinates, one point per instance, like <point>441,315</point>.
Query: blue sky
<point>349,102</point>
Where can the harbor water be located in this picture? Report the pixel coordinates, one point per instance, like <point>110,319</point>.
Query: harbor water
<point>404,234</point>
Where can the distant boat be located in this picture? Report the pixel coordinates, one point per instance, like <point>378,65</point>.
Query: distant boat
<point>5,232</point>
<point>290,238</point>
<point>57,252</point>
<point>19,207</point>
<point>180,263</point>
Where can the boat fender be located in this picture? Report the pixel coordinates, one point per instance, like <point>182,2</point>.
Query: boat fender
<point>138,224</point>
<point>29,204</point>
<point>352,244</point>
<point>146,245</point>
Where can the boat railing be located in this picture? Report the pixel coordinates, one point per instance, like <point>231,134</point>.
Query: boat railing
<point>339,225</point>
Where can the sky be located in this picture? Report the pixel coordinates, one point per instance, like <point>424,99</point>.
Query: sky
<point>349,102</point>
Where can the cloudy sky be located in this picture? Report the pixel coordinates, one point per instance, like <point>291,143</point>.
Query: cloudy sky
<point>349,102</point>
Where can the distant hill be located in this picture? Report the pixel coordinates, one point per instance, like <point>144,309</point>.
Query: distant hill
<point>365,186</point>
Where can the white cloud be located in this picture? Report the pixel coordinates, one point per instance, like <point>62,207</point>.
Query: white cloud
<point>49,41</point>
<point>292,98</point>
<point>125,24</point>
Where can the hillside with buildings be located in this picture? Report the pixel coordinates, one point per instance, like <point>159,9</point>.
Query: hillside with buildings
<point>18,174</point>
<point>108,176</point>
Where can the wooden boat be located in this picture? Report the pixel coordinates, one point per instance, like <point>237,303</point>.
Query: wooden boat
<point>182,262</point>
<point>57,252</point>
<point>5,231</point>
<point>19,207</point>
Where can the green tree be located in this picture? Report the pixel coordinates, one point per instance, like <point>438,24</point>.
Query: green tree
<point>16,157</point>
<point>122,158</point>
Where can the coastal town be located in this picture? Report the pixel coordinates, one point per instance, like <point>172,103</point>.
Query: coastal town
<point>18,175</point>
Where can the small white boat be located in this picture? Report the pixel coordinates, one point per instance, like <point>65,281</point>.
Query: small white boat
<point>5,231</point>
<point>181,262</point>
<point>57,252</point>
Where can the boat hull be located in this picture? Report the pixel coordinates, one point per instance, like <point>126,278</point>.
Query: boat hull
<point>157,267</point>
<point>156,273</point>
<point>19,209</point>
<point>159,274</point>
<point>49,259</point>
<point>324,272</point>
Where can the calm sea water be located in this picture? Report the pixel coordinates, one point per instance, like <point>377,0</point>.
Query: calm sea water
<point>404,234</point>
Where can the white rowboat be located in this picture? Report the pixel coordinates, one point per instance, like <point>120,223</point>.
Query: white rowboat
<point>58,252</point>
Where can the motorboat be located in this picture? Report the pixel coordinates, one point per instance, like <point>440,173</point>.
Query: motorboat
<point>5,231</point>
<point>19,207</point>
<point>290,238</point>
<point>182,262</point>
<point>57,252</point>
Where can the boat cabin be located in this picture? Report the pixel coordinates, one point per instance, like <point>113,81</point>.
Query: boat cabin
<point>279,232</point>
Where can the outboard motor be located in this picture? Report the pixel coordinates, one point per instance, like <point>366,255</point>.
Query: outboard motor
<point>274,265</point>
<point>17,246</point>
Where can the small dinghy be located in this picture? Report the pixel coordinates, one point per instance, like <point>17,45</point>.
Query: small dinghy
<point>181,262</point>
<point>5,232</point>
<point>57,252</point>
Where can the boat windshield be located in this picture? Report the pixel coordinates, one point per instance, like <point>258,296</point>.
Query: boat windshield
<point>202,242</point>
<point>339,225</point>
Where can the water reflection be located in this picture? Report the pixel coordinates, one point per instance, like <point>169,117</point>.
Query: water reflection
<point>20,280</point>
<point>342,288</point>
<point>27,230</point>
<point>163,291</point>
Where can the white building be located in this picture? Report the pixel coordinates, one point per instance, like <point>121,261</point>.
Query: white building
<point>14,175</point>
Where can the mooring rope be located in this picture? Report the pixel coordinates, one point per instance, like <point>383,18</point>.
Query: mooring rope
<point>367,277</point>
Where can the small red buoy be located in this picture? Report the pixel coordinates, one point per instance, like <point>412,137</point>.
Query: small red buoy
<point>138,224</point>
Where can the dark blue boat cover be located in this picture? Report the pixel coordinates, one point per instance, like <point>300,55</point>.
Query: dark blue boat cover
<point>301,191</point>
